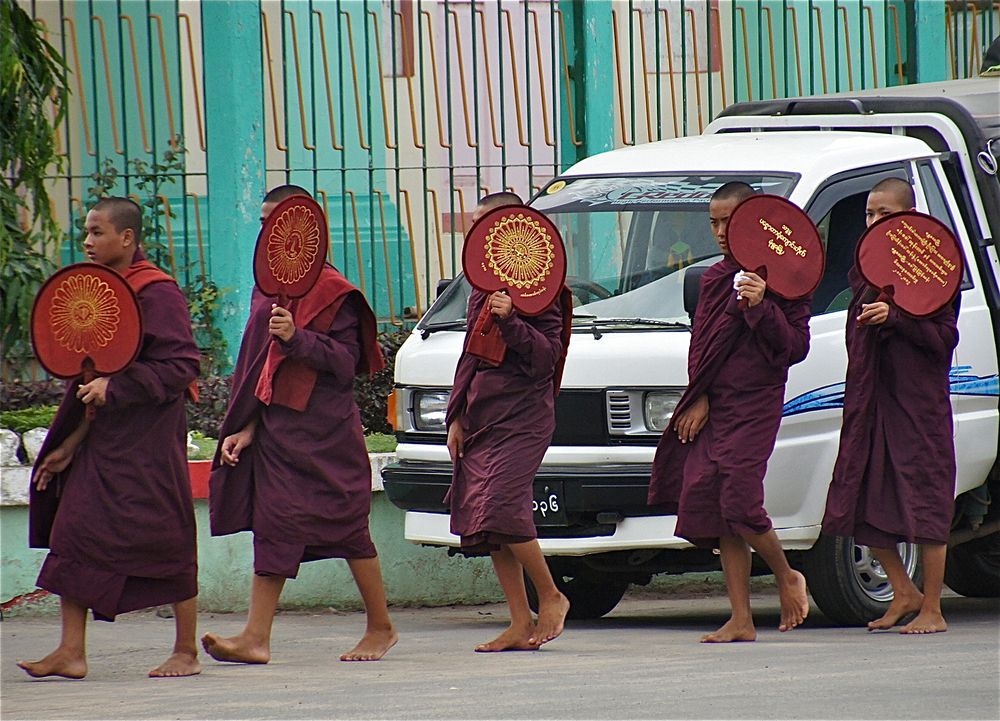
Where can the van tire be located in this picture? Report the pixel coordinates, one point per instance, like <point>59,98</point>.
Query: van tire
<point>588,598</point>
<point>973,568</point>
<point>847,583</point>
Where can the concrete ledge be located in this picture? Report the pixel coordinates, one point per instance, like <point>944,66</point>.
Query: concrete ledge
<point>414,575</point>
<point>15,476</point>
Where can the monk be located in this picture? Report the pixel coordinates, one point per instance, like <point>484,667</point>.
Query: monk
<point>500,419</point>
<point>894,479</point>
<point>292,465</point>
<point>710,463</point>
<point>111,497</point>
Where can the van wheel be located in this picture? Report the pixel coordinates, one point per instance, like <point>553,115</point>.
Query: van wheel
<point>848,583</point>
<point>973,567</point>
<point>588,598</point>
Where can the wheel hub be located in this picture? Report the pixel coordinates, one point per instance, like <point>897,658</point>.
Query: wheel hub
<point>871,576</point>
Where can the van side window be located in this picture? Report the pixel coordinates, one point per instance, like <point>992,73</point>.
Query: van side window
<point>937,206</point>
<point>838,210</point>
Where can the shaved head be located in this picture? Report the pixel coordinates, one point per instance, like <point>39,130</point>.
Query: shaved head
<point>494,201</point>
<point>899,189</point>
<point>276,195</point>
<point>736,190</point>
<point>889,196</point>
<point>124,213</point>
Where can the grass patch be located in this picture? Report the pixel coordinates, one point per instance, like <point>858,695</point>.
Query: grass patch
<point>201,447</point>
<point>380,443</point>
<point>376,443</point>
<point>24,420</point>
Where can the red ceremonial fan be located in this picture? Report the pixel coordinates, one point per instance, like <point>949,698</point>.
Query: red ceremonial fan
<point>86,320</point>
<point>771,236</point>
<point>914,260</point>
<point>518,250</point>
<point>291,249</point>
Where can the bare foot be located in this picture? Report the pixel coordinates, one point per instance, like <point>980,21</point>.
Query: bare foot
<point>926,622</point>
<point>373,645</point>
<point>58,663</point>
<point>794,598</point>
<point>551,617</point>
<point>236,649</point>
<point>180,663</point>
<point>903,604</point>
<point>513,639</point>
<point>732,630</point>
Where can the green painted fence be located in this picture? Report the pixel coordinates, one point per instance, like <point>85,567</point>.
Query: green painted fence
<point>399,114</point>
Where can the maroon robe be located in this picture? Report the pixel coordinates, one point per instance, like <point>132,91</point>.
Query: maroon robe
<point>894,479</point>
<point>304,485</point>
<point>508,415</point>
<point>740,359</point>
<point>119,521</point>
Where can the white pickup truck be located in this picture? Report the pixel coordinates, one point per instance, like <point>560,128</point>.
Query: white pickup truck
<point>635,225</point>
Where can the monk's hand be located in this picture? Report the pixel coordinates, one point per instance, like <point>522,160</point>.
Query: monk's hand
<point>873,314</point>
<point>750,288</point>
<point>55,462</point>
<point>500,304</point>
<point>456,441</point>
<point>233,445</point>
<point>95,392</point>
<point>692,419</point>
<point>281,325</point>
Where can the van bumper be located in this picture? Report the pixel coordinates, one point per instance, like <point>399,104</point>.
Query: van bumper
<point>652,532</point>
<point>586,490</point>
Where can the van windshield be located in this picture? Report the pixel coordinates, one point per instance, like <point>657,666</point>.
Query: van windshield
<point>629,242</point>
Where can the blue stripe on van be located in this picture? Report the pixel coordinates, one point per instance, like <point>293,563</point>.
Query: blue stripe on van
<point>961,380</point>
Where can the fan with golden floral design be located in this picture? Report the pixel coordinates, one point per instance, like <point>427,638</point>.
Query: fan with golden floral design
<point>86,321</point>
<point>291,249</point>
<point>516,249</point>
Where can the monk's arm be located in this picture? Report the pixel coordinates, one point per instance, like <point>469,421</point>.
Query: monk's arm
<point>937,334</point>
<point>460,388</point>
<point>781,333</point>
<point>337,351</point>
<point>169,360</point>
<point>539,343</point>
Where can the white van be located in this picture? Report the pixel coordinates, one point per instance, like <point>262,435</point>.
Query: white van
<point>635,225</point>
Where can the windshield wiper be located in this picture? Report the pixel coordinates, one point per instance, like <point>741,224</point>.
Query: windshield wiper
<point>589,320</point>
<point>593,323</point>
<point>425,331</point>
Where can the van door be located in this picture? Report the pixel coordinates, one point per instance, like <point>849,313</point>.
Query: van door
<point>801,467</point>
<point>974,382</point>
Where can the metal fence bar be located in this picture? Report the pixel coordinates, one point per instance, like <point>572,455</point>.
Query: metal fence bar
<point>511,96</point>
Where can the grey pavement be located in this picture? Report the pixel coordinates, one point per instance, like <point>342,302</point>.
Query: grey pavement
<point>642,661</point>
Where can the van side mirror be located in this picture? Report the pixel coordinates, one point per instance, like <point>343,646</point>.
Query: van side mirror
<point>442,286</point>
<point>692,285</point>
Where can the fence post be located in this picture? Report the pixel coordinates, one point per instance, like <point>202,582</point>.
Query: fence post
<point>234,119</point>
<point>590,51</point>
<point>927,59</point>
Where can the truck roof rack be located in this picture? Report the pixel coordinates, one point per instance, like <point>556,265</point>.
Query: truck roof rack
<point>974,105</point>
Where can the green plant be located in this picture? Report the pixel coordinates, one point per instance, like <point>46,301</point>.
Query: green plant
<point>203,296</point>
<point>380,443</point>
<point>200,447</point>
<point>32,77</point>
<point>148,181</point>
<point>372,393</point>
<point>28,418</point>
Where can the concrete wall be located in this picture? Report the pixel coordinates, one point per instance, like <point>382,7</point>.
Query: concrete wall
<point>413,575</point>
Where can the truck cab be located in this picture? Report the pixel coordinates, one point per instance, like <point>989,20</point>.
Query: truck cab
<point>635,225</point>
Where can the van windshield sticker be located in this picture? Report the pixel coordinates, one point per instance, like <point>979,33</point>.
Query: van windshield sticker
<point>596,193</point>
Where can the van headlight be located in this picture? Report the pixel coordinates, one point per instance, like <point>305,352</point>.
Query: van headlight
<point>429,410</point>
<point>658,407</point>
